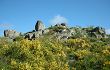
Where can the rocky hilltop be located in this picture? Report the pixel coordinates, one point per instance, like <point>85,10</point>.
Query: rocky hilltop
<point>58,47</point>
<point>60,31</point>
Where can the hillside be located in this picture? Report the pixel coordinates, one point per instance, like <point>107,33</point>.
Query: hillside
<point>55,48</point>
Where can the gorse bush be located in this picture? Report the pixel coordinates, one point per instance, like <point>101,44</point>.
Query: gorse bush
<point>51,54</point>
<point>33,55</point>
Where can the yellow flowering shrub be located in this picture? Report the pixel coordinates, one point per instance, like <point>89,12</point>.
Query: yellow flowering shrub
<point>78,43</point>
<point>107,63</point>
<point>82,53</point>
<point>106,51</point>
<point>47,53</point>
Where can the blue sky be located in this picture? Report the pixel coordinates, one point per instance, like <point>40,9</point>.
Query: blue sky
<point>21,15</point>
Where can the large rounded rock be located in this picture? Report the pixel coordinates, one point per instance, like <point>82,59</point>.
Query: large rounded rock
<point>37,34</point>
<point>29,36</point>
<point>39,26</point>
<point>33,35</point>
<point>11,34</point>
<point>63,24</point>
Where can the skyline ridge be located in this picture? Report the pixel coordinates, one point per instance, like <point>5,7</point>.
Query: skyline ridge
<point>23,14</point>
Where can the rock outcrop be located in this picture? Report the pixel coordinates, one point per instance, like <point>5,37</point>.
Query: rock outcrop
<point>98,32</point>
<point>39,26</point>
<point>59,31</point>
<point>39,31</point>
<point>11,33</point>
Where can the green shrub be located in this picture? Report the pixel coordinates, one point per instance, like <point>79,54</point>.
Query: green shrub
<point>47,53</point>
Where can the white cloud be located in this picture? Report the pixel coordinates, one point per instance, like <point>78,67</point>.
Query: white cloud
<point>5,25</point>
<point>58,19</point>
<point>107,31</point>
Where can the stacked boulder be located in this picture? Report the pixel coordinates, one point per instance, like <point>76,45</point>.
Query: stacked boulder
<point>39,26</point>
<point>39,29</point>
<point>59,31</point>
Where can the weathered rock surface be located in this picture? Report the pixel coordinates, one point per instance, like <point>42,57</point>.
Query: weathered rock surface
<point>39,26</point>
<point>45,31</point>
<point>32,35</point>
<point>11,33</point>
<point>59,31</point>
<point>98,32</point>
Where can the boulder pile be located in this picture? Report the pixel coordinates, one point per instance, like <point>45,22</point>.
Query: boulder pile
<point>60,31</point>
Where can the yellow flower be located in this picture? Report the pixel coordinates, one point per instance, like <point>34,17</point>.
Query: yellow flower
<point>13,62</point>
<point>106,52</point>
<point>107,63</point>
<point>82,53</point>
